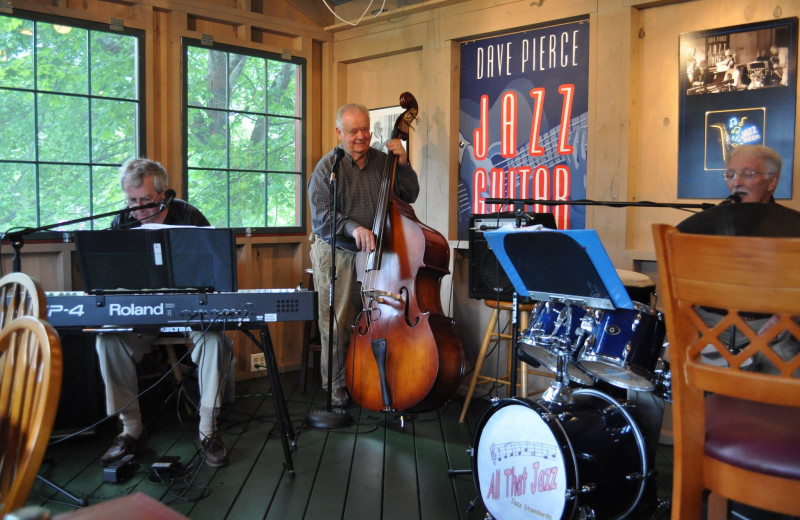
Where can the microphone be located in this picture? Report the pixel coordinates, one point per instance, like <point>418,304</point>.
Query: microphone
<point>732,199</point>
<point>338,154</point>
<point>169,196</point>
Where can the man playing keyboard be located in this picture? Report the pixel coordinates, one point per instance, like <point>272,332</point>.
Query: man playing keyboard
<point>144,181</point>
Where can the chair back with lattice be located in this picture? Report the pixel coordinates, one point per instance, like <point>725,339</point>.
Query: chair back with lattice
<point>718,287</point>
<point>732,310</point>
<point>30,384</point>
<point>20,295</point>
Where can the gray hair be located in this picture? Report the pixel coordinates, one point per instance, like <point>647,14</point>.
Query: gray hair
<point>133,172</point>
<point>770,157</point>
<point>349,107</point>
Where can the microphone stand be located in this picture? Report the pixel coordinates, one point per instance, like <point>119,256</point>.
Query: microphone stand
<point>17,241</point>
<point>331,418</point>
<point>518,203</point>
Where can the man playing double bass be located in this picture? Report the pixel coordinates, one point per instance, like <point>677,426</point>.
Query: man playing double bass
<point>358,177</point>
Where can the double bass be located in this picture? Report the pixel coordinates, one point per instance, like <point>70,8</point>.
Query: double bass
<point>405,354</point>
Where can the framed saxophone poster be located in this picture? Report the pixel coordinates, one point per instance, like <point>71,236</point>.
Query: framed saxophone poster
<point>737,86</point>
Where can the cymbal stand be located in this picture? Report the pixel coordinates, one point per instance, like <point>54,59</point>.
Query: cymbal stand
<point>559,391</point>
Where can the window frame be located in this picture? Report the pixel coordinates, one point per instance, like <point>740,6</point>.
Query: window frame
<point>140,123</point>
<point>301,174</point>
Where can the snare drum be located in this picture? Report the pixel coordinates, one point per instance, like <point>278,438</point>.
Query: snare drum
<point>624,347</point>
<point>531,461</point>
<point>548,326</point>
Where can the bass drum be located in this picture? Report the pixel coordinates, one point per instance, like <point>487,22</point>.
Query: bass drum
<point>568,462</point>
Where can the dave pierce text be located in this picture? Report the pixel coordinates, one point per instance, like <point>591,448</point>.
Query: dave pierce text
<point>536,54</point>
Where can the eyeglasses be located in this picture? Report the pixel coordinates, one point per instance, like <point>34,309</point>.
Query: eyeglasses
<point>745,174</point>
<point>355,131</point>
<point>141,201</point>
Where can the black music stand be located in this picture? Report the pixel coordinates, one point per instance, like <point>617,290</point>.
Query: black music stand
<point>571,267</point>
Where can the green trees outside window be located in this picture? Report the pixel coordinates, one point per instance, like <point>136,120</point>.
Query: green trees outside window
<point>70,114</point>
<point>244,136</point>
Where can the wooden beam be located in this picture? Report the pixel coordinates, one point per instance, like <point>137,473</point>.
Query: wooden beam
<point>314,10</point>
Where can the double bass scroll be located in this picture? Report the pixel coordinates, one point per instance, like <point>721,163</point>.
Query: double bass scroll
<point>405,354</point>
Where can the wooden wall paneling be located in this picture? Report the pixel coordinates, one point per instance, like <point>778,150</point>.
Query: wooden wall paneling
<point>278,267</point>
<point>50,263</point>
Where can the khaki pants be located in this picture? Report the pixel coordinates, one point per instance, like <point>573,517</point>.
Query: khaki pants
<point>119,352</point>
<point>347,304</point>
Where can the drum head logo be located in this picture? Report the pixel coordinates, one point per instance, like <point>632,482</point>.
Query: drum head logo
<point>520,467</point>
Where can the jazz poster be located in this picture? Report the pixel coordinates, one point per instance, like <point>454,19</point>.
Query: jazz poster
<point>737,86</point>
<point>523,118</point>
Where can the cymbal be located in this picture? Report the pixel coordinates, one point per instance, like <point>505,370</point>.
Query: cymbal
<point>752,219</point>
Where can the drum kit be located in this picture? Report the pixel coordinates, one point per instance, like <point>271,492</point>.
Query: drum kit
<point>576,453</point>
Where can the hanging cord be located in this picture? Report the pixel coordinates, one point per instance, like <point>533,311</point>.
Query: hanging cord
<point>360,17</point>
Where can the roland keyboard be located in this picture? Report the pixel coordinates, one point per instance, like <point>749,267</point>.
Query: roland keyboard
<point>179,311</point>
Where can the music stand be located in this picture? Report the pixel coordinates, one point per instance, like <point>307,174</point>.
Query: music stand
<point>571,267</point>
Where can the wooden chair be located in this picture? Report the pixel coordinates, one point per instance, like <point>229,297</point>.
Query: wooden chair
<point>20,295</point>
<point>30,384</point>
<point>737,432</point>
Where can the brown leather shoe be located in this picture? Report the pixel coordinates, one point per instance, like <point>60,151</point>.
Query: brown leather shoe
<point>215,452</point>
<point>123,445</point>
<point>340,397</point>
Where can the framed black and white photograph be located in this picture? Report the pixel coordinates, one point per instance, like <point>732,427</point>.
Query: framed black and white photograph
<point>382,121</point>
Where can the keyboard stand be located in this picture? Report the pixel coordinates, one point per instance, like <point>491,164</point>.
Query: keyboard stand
<point>281,410</point>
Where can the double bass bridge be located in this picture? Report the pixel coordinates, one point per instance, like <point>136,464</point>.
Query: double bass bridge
<point>387,298</point>
<point>381,296</point>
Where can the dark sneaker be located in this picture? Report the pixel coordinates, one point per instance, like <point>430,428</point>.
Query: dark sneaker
<point>123,445</point>
<point>215,452</point>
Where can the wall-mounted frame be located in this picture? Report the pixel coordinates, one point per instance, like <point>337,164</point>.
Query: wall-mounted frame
<point>737,86</point>
<point>523,122</point>
<point>382,121</point>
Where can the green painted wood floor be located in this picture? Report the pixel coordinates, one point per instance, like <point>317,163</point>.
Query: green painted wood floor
<point>373,469</point>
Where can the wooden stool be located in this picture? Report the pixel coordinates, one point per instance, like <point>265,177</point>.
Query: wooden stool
<point>525,310</point>
<point>311,342</point>
<point>641,288</point>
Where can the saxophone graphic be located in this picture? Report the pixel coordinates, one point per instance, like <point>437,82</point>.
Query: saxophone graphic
<point>728,134</point>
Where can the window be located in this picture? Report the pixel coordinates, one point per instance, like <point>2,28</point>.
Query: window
<point>244,140</point>
<point>70,114</point>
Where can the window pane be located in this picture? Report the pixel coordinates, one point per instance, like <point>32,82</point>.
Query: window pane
<point>282,138</point>
<point>16,52</point>
<point>63,128</point>
<point>113,65</point>
<point>248,146</point>
<point>56,186</point>
<point>75,137</point>
<point>113,131</point>
<point>208,193</point>
<point>251,199</point>
<point>207,140</point>
<point>259,136</point>
<point>106,194</point>
<point>18,209</point>
<point>208,80</point>
<point>282,203</point>
<point>282,90</point>
<point>247,83</point>
<point>17,128</point>
<point>61,63</point>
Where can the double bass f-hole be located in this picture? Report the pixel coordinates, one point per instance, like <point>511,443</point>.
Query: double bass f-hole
<point>387,298</point>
